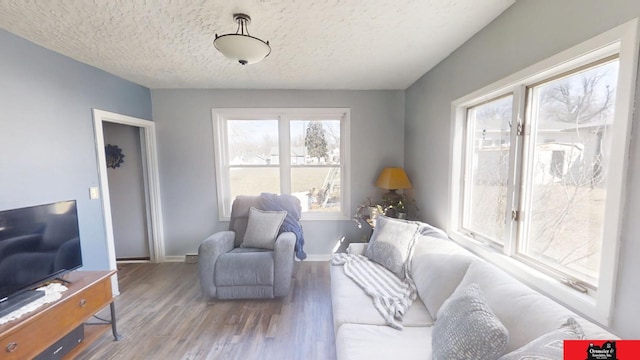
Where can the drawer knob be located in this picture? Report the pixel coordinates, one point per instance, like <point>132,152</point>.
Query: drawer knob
<point>11,347</point>
<point>83,302</point>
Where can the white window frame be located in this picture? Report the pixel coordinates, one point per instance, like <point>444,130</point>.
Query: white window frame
<point>622,40</point>
<point>284,116</point>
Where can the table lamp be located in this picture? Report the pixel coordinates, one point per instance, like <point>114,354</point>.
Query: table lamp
<point>392,179</point>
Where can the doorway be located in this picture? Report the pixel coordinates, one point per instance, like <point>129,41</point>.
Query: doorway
<point>150,183</point>
<point>127,195</point>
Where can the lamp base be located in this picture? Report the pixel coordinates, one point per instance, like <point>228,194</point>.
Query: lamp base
<point>392,197</point>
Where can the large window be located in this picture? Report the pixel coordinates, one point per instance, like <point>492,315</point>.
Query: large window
<point>568,157</point>
<point>288,151</point>
<point>542,158</point>
<point>487,160</point>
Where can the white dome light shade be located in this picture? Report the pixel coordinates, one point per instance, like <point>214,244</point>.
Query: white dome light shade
<point>241,46</point>
<point>244,49</point>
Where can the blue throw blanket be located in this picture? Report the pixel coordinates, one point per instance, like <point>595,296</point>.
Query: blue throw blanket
<point>291,204</point>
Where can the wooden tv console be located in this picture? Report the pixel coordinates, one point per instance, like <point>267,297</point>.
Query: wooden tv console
<point>88,292</point>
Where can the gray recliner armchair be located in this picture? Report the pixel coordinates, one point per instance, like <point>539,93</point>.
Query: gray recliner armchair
<point>229,271</point>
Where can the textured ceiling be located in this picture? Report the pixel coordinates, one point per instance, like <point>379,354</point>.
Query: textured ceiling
<point>316,44</point>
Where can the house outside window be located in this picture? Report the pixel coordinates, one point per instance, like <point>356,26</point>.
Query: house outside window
<point>301,152</point>
<point>542,160</point>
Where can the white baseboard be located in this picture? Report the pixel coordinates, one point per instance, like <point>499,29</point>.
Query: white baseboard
<point>132,261</point>
<point>175,258</point>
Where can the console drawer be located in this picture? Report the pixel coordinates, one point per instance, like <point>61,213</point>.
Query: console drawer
<point>35,336</point>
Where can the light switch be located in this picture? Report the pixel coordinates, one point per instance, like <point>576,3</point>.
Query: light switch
<point>94,193</point>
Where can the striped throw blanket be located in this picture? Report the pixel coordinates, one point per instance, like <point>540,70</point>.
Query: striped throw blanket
<point>391,296</point>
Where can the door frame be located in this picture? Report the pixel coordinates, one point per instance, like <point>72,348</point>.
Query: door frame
<point>150,176</point>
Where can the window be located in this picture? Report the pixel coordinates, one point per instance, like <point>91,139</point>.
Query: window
<point>564,197</point>
<point>288,151</point>
<point>488,148</point>
<point>542,160</point>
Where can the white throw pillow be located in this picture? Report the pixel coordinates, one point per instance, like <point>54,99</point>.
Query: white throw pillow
<point>262,228</point>
<point>391,244</point>
<point>466,328</point>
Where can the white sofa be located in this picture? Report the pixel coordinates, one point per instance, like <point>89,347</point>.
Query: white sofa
<point>438,267</point>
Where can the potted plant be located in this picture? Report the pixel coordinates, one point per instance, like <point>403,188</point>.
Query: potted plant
<point>367,211</point>
<point>401,210</point>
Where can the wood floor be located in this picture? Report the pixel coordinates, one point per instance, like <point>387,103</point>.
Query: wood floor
<point>163,315</point>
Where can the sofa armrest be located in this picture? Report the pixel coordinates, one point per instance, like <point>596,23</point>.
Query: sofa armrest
<point>283,252</point>
<point>208,252</point>
<point>357,248</point>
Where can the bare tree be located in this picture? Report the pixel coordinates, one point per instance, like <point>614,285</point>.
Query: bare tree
<point>334,137</point>
<point>574,115</point>
<point>568,191</point>
<point>265,147</point>
<point>491,141</point>
<point>578,104</point>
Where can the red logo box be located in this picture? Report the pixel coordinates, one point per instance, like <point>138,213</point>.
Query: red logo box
<point>601,349</point>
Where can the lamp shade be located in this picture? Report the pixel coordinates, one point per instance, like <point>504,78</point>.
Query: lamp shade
<point>244,49</point>
<point>393,178</point>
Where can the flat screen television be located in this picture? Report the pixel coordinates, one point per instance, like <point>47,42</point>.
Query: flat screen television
<point>37,243</point>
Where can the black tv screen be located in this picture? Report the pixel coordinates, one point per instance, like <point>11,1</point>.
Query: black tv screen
<point>37,243</point>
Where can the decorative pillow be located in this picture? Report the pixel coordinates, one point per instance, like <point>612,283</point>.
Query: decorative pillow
<point>550,345</point>
<point>467,328</point>
<point>391,243</point>
<point>262,228</point>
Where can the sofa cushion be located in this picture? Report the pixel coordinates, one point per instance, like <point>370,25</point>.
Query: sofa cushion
<point>262,228</point>
<point>352,305</point>
<point>240,215</point>
<point>244,266</point>
<point>467,328</point>
<point>549,345</point>
<point>429,230</point>
<point>368,342</point>
<point>391,243</point>
<point>512,302</point>
<point>437,267</point>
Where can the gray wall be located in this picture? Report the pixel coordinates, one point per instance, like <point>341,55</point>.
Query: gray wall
<point>528,32</point>
<point>126,192</point>
<point>46,132</point>
<point>185,151</point>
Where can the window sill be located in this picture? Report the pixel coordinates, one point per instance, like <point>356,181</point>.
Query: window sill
<point>586,305</point>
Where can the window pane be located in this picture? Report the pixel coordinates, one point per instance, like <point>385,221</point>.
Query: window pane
<point>254,180</point>
<point>315,142</point>
<point>487,165</point>
<point>318,188</point>
<point>253,142</point>
<point>571,120</point>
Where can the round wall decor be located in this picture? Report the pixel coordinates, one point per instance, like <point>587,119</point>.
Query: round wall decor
<point>114,154</point>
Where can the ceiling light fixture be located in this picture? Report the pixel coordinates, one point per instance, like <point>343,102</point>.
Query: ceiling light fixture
<point>241,46</point>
